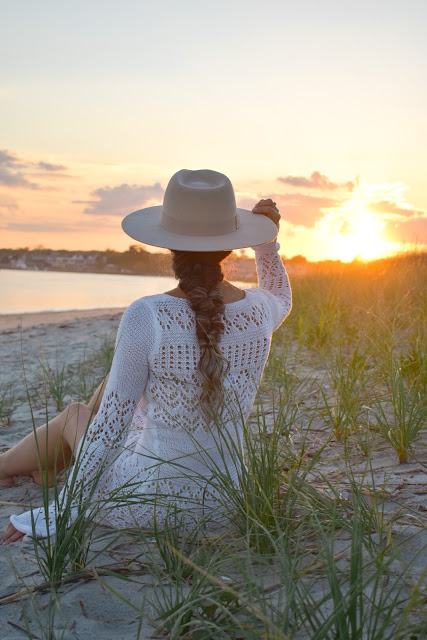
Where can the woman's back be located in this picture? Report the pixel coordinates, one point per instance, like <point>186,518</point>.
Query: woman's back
<point>170,439</point>
<point>172,394</point>
<point>185,372</point>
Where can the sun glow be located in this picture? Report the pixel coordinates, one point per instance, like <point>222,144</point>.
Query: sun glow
<point>362,237</point>
<point>354,232</point>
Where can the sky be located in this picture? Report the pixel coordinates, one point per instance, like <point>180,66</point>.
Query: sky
<point>319,105</point>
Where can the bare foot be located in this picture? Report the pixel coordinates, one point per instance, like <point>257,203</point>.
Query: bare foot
<point>11,535</point>
<point>40,478</point>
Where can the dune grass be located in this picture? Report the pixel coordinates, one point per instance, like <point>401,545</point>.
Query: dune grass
<point>311,545</point>
<point>8,403</point>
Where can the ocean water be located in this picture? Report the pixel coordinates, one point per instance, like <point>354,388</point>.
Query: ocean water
<point>24,291</point>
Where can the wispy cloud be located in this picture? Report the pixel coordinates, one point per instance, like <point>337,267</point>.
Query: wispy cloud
<point>298,209</point>
<point>48,166</point>
<point>316,181</point>
<point>390,207</point>
<point>412,230</point>
<point>15,171</point>
<point>7,158</point>
<point>303,210</point>
<point>11,174</point>
<point>403,222</point>
<point>115,201</point>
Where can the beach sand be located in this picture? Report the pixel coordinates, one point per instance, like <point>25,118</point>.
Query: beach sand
<point>13,322</point>
<point>89,608</point>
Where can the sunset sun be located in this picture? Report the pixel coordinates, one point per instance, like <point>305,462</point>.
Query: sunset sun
<point>354,231</point>
<point>362,237</point>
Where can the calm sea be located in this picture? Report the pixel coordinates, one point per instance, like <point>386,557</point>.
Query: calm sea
<point>31,291</point>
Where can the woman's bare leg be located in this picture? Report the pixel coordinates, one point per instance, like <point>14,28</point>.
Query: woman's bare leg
<point>52,446</point>
<point>95,402</point>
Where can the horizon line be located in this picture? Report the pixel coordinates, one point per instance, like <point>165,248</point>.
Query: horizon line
<point>357,259</point>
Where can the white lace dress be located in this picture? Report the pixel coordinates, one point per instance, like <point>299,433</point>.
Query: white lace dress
<point>149,444</point>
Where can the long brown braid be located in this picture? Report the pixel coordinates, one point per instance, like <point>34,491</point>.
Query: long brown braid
<point>199,273</point>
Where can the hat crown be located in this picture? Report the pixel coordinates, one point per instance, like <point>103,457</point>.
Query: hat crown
<point>199,203</point>
<point>199,214</point>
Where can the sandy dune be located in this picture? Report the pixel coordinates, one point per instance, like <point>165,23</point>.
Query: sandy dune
<point>88,608</point>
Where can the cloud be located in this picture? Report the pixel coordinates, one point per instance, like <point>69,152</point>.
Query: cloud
<point>413,230</point>
<point>388,206</point>
<point>316,181</point>
<point>296,208</point>
<point>246,202</point>
<point>300,209</point>
<point>47,166</point>
<point>14,171</point>
<point>10,179</point>
<point>53,226</point>
<point>10,171</point>
<point>115,201</point>
<point>6,158</point>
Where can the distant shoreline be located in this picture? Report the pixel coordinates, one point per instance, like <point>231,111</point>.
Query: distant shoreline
<point>242,277</point>
<point>134,261</point>
<point>92,271</point>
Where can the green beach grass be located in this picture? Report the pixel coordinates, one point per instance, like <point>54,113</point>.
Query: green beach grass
<point>319,543</point>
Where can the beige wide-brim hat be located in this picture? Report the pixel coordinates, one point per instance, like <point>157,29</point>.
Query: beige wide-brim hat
<point>199,213</point>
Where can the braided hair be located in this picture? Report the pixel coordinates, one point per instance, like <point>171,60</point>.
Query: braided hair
<point>199,273</point>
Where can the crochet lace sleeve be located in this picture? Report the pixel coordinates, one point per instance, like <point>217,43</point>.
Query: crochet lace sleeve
<point>274,281</point>
<point>106,433</point>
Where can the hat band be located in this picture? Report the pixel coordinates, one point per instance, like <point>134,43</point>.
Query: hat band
<point>199,227</point>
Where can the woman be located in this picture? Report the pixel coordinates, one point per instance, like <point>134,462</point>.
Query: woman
<point>185,371</point>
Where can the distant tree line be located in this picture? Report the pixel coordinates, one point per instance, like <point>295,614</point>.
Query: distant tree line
<point>138,261</point>
<point>134,261</point>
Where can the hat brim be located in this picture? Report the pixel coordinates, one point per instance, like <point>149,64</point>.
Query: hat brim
<point>144,225</point>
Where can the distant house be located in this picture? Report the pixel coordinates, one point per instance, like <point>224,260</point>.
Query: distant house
<point>18,263</point>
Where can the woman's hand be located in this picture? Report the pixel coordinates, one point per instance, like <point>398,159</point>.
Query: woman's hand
<point>268,208</point>
<point>11,534</point>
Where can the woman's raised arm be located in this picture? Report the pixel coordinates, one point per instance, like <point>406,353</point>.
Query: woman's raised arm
<point>272,276</point>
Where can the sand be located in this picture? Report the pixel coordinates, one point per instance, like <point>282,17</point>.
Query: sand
<point>88,608</point>
<point>12,322</point>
